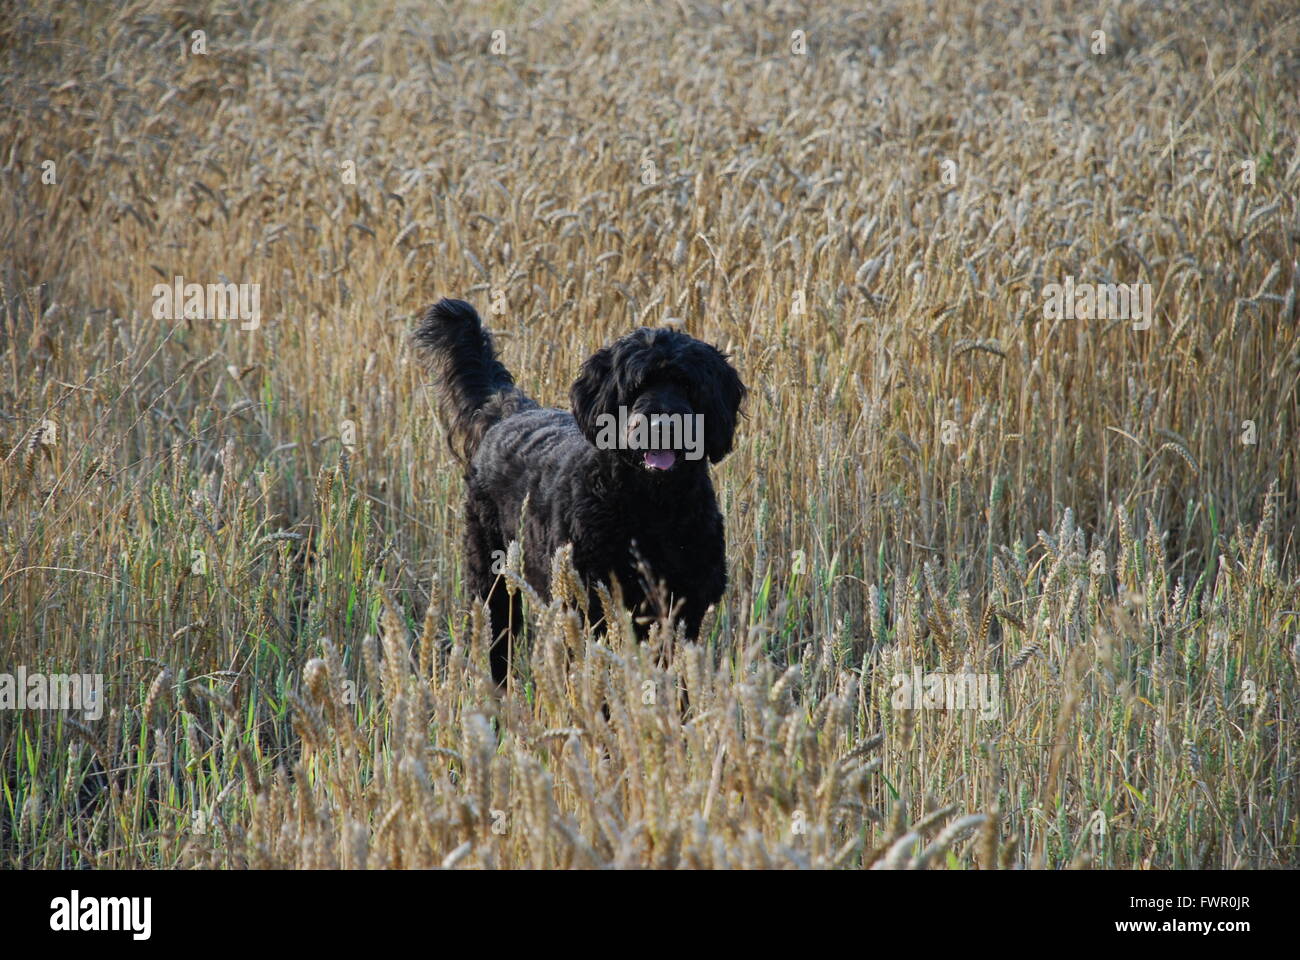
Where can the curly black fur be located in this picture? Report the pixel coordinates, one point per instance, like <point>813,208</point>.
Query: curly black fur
<point>623,510</point>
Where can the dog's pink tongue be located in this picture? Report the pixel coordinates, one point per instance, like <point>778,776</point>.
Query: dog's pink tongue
<point>660,459</point>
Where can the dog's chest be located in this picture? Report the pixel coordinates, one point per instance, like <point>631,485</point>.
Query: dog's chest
<point>668,550</point>
<point>614,538</point>
<point>678,546</point>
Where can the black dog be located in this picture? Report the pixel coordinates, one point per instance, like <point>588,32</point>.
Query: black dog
<point>623,478</point>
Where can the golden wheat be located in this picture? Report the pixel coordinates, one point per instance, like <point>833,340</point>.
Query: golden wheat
<point>255,534</point>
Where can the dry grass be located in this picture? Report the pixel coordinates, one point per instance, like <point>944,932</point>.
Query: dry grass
<point>1096,535</point>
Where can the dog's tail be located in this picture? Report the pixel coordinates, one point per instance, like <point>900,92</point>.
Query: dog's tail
<point>474,390</point>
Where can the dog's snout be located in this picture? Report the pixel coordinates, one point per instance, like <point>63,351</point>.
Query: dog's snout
<point>662,401</point>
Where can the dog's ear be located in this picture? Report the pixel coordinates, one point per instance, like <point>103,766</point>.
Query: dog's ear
<point>595,392</point>
<point>720,394</point>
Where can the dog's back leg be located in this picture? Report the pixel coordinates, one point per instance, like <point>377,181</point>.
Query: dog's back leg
<point>507,620</point>
<point>485,552</point>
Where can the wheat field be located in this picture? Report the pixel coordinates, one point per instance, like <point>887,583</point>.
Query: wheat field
<point>252,530</point>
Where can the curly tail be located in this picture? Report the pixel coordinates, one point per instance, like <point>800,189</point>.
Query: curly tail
<point>474,390</point>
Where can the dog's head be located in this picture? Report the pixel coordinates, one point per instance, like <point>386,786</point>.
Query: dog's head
<point>662,399</point>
